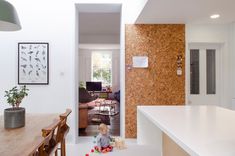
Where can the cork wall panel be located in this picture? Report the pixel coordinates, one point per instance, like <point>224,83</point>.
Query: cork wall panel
<point>158,84</point>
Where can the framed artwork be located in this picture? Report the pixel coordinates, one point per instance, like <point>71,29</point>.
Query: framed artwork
<point>33,63</point>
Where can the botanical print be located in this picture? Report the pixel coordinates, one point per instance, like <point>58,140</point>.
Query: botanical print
<point>33,63</point>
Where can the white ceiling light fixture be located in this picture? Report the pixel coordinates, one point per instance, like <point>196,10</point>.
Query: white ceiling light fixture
<point>9,20</point>
<point>215,16</point>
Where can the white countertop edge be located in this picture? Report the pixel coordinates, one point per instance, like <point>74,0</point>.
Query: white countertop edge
<point>170,134</point>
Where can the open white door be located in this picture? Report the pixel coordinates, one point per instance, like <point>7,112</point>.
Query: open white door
<point>205,75</point>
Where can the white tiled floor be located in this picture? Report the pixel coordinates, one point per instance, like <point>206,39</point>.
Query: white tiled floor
<point>86,144</point>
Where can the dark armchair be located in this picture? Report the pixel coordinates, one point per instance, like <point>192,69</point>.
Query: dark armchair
<point>85,97</point>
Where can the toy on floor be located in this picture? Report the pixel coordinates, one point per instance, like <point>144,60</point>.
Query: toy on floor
<point>119,143</point>
<point>89,154</point>
<point>103,140</point>
<point>92,151</point>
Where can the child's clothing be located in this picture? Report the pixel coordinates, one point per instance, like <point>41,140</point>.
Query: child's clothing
<point>103,142</point>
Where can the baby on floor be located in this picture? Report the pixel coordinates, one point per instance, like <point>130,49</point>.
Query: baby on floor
<point>103,140</point>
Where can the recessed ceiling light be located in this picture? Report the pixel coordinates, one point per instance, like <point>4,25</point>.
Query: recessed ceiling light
<point>215,16</point>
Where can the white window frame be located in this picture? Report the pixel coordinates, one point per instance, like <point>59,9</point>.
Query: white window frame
<point>103,52</point>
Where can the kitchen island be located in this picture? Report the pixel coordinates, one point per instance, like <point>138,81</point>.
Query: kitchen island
<point>187,130</point>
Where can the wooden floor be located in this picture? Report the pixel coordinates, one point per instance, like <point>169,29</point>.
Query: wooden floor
<point>114,127</point>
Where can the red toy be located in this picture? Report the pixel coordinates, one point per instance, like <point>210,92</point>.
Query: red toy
<point>104,149</point>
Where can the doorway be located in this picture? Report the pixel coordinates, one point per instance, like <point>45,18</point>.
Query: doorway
<point>205,74</point>
<point>99,68</point>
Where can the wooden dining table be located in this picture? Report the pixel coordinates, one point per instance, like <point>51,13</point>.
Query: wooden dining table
<point>22,141</point>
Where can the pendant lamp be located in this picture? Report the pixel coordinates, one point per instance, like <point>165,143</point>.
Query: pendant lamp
<point>9,20</point>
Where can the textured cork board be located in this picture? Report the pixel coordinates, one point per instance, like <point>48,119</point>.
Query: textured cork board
<point>158,84</point>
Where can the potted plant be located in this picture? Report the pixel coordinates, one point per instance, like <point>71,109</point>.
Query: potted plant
<point>81,84</point>
<point>15,117</point>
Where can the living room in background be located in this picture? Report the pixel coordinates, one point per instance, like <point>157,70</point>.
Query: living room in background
<point>99,72</point>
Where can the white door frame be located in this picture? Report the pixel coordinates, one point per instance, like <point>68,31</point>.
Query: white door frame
<point>122,75</point>
<point>122,69</point>
<point>220,48</point>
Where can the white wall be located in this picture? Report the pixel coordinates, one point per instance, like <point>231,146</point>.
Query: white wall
<point>232,62</point>
<point>85,66</point>
<point>216,34</point>
<point>54,22</point>
<point>207,33</point>
<point>48,23</point>
<point>100,39</point>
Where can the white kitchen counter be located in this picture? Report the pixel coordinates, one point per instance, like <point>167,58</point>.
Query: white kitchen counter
<point>198,130</point>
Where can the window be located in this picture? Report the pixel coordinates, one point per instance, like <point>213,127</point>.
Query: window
<point>210,71</point>
<point>102,67</point>
<point>194,71</point>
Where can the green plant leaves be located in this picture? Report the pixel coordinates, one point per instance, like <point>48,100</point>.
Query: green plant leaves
<point>16,95</point>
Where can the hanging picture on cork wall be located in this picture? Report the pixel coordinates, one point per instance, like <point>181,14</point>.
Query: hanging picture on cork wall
<point>33,63</point>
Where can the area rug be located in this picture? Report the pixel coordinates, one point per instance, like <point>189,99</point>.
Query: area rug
<point>96,119</point>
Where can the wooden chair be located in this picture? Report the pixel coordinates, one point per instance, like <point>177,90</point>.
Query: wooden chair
<point>62,131</point>
<point>34,151</point>
<point>53,135</point>
<point>49,145</point>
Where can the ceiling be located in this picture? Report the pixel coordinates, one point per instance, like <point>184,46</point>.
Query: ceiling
<point>95,8</point>
<point>99,23</point>
<point>187,11</point>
